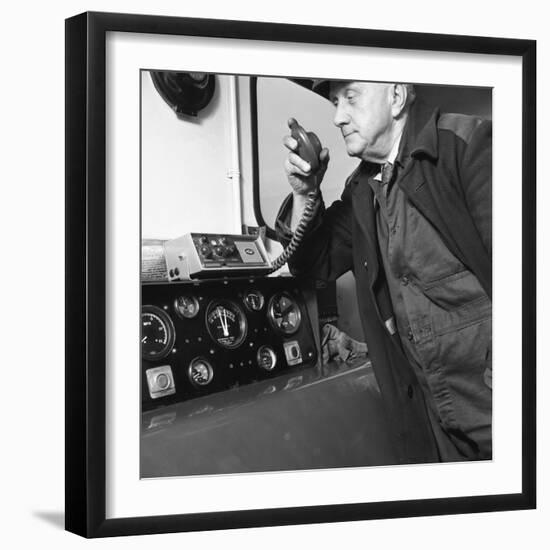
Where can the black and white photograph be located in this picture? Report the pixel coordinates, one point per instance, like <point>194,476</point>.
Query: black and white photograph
<point>316,273</point>
<point>275,275</point>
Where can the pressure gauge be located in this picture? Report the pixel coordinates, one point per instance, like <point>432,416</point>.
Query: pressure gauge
<point>226,323</point>
<point>266,358</point>
<point>200,372</point>
<point>284,313</point>
<point>186,307</point>
<point>254,300</point>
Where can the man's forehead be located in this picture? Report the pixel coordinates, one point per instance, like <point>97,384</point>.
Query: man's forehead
<point>339,86</point>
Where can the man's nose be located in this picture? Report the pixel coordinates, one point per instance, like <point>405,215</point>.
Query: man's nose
<point>340,116</point>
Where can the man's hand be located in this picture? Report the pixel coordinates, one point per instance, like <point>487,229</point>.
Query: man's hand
<point>298,171</point>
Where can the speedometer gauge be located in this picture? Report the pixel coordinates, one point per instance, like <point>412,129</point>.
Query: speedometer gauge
<point>284,313</point>
<point>157,333</point>
<point>226,323</point>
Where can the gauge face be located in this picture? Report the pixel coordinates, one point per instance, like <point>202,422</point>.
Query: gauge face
<point>186,307</point>
<point>266,358</point>
<point>226,323</point>
<point>200,372</point>
<point>284,313</point>
<point>157,333</point>
<point>254,300</point>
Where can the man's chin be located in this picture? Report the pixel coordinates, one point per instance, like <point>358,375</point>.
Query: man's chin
<point>354,151</point>
<point>354,147</point>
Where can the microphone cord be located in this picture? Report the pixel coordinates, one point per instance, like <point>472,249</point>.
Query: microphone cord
<point>310,209</point>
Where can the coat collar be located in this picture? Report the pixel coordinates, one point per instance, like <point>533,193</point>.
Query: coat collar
<point>420,135</point>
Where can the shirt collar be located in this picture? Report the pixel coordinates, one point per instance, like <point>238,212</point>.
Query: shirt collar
<point>391,157</point>
<point>395,149</point>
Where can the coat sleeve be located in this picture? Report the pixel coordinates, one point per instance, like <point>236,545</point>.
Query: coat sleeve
<point>325,252</point>
<point>476,178</point>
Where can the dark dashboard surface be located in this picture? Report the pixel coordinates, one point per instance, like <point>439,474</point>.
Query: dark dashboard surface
<point>328,418</point>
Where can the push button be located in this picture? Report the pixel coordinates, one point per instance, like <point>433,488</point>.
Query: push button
<point>293,354</point>
<point>162,381</point>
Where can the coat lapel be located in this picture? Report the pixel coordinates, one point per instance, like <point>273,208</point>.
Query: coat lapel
<point>363,211</point>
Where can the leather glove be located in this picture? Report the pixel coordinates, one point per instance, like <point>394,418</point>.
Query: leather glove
<point>337,344</point>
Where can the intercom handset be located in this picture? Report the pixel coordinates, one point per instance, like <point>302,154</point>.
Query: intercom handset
<point>309,148</point>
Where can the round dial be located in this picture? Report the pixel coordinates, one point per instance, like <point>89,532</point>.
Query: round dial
<point>254,300</point>
<point>266,358</point>
<point>200,372</point>
<point>284,313</point>
<point>226,323</point>
<point>157,333</point>
<point>186,307</point>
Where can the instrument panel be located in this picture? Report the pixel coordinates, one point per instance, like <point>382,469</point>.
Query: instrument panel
<point>202,337</point>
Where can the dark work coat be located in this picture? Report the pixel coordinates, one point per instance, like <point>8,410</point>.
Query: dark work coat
<point>447,176</point>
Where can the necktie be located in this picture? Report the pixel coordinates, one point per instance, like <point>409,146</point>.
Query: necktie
<point>387,173</point>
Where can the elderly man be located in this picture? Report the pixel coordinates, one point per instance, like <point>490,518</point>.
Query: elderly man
<point>414,225</point>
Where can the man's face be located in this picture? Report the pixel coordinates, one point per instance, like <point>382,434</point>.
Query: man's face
<point>364,115</point>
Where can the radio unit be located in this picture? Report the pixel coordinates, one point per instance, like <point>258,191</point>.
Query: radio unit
<point>209,255</point>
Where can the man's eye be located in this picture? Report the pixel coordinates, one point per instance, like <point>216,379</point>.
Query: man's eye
<point>350,97</point>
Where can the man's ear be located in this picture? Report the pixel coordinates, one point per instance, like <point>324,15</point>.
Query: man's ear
<point>399,94</point>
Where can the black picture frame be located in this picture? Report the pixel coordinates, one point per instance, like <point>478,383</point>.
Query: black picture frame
<point>86,263</point>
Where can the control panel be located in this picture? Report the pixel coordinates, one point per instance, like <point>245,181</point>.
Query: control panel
<point>207,255</point>
<point>206,336</point>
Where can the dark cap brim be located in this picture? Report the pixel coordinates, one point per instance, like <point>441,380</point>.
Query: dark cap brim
<point>322,87</point>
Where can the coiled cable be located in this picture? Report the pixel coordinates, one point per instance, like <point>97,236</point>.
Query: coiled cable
<point>310,209</point>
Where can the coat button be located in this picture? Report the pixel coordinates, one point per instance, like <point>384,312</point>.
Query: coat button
<point>410,335</point>
<point>365,264</point>
<point>404,280</point>
<point>410,391</point>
